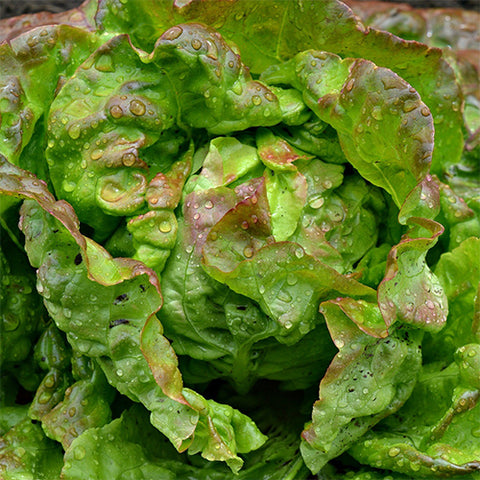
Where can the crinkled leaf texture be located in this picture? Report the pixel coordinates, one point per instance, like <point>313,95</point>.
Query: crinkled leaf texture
<point>25,452</point>
<point>426,439</point>
<point>143,106</point>
<point>122,297</point>
<point>371,376</point>
<point>385,129</point>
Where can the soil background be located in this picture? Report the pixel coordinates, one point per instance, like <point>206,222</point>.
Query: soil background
<point>11,8</point>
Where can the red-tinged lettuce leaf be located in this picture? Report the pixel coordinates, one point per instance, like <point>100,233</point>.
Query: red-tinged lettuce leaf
<point>286,187</point>
<point>289,283</point>
<point>369,379</point>
<point>162,360</point>
<point>360,100</point>
<point>243,229</point>
<point>226,161</point>
<point>81,17</point>
<point>455,28</point>
<point>410,292</point>
<point>103,152</point>
<point>104,319</point>
<point>269,32</point>
<point>34,66</point>
<point>101,267</point>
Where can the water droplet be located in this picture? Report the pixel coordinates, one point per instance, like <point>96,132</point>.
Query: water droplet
<point>44,397</point>
<point>79,452</point>
<point>111,192</point>
<point>256,100</point>
<point>288,324</point>
<point>49,381</point>
<point>165,226</point>
<point>208,204</point>
<point>68,186</point>
<point>299,253</point>
<point>74,131</point>
<point>119,372</point>
<point>394,451</point>
<point>248,252</point>
<point>72,411</point>
<point>316,202</point>
<point>137,107</point>
<point>67,312</point>
<point>430,304</point>
<point>116,111</point>
<point>284,296</point>
<point>261,289</point>
<point>245,225</point>
<point>96,154</point>
<point>196,44</point>
<point>292,279</point>
<point>340,343</point>
<point>172,33</point>
<point>129,159</point>
<point>410,105</point>
<point>377,113</point>
<point>270,96</point>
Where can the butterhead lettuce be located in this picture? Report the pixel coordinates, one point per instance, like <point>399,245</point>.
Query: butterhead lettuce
<point>238,240</point>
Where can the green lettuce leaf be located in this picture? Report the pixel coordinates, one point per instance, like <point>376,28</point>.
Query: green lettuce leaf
<point>25,452</point>
<point>371,377</point>
<point>117,287</point>
<point>358,98</point>
<point>191,78</point>
<point>425,439</point>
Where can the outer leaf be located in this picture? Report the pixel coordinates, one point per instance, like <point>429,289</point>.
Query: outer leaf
<point>25,452</point>
<point>369,379</point>
<point>427,438</point>
<point>85,405</point>
<point>269,32</point>
<point>128,445</point>
<point>32,64</point>
<point>120,287</point>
